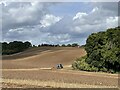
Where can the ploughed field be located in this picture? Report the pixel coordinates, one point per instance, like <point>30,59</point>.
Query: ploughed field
<point>36,67</point>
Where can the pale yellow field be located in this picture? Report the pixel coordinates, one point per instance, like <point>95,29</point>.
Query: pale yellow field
<point>34,68</point>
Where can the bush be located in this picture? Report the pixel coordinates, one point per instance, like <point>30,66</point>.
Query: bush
<point>80,64</point>
<point>103,69</point>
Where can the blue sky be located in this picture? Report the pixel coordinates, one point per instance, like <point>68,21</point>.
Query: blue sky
<point>70,8</point>
<point>56,23</point>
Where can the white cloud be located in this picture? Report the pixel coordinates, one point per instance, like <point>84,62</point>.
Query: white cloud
<point>101,17</point>
<point>94,10</point>
<point>79,15</point>
<point>20,14</point>
<point>112,22</point>
<point>49,20</point>
<point>61,38</point>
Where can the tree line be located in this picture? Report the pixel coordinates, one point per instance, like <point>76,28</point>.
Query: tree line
<point>19,46</point>
<point>58,45</point>
<point>103,52</point>
<point>14,47</point>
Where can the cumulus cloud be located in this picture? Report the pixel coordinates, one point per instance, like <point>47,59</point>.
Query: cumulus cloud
<point>19,14</point>
<point>112,22</point>
<point>33,21</point>
<point>49,20</point>
<point>83,24</point>
<point>102,16</point>
<point>79,15</point>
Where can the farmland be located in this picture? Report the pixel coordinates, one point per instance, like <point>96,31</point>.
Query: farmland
<point>36,67</point>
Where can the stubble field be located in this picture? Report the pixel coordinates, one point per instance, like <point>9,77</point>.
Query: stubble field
<point>36,67</point>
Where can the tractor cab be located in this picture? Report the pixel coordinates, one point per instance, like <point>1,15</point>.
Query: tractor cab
<point>59,66</point>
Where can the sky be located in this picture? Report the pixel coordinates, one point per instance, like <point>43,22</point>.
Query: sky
<point>56,22</point>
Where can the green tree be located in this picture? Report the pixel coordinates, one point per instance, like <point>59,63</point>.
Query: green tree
<point>69,45</point>
<point>103,50</point>
<point>63,45</point>
<point>14,47</point>
<point>74,45</point>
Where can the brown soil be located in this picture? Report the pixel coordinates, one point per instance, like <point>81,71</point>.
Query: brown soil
<point>48,58</point>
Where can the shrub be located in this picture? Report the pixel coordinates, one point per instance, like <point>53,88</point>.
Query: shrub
<point>80,64</point>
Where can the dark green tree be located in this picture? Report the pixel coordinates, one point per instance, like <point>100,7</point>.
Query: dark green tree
<point>103,50</point>
<point>63,45</point>
<point>14,47</point>
<point>69,45</point>
<point>74,45</point>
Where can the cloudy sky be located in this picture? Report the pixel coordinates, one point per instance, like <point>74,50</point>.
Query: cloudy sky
<point>56,23</point>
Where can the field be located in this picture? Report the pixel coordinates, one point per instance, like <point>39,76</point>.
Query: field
<point>36,67</point>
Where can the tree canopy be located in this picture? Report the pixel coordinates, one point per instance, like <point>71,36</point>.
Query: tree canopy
<point>14,47</point>
<point>103,50</point>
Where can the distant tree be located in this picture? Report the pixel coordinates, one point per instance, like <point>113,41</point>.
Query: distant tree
<point>14,47</point>
<point>39,45</point>
<point>4,45</point>
<point>0,48</point>
<point>75,45</point>
<point>27,44</point>
<point>58,45</point>
<point>69,45</point>
<point>34,46</point>
<point>63,45</point>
